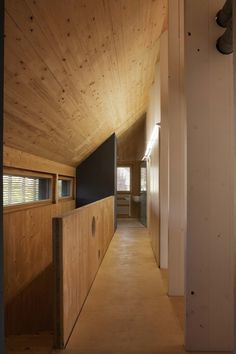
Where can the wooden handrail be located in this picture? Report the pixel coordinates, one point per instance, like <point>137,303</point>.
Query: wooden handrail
<point>77,210</point>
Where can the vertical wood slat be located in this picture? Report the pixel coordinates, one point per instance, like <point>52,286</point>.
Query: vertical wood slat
<point>58,295</point>
<point>78,252</point>
<point>177,149</point>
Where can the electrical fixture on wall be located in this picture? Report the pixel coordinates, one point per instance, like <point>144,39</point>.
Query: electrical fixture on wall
<point>151,141</point>
<point>224,43</point>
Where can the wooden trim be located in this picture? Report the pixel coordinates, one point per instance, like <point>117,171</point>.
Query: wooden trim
<point>124,192</point>
<point>19,207</point>
<point>55,188</point>
<point>64,199</point>
<point>25,173</point>
<point>72,187</point>
<point>58,282</point>
<point>87,206</point>
<point>65,178</point>
<point>23,160</point>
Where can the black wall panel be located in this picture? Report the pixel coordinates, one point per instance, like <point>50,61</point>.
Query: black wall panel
<point>96,176</point>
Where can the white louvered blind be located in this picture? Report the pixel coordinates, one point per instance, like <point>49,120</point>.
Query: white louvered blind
<point>21,189</point>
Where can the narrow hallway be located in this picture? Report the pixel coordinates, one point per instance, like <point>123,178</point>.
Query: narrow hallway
<point>128,310</point>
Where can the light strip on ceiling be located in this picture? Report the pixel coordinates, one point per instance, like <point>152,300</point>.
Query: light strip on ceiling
<point>151,141</point>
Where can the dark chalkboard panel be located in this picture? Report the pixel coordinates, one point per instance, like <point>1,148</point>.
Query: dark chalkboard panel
<point>96,176</point>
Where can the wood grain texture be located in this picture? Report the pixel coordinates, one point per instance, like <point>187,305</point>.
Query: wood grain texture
<point>76,71</point>
<point>18,159</point>
<point>131,144</point>
<point>28,267</point>
<point>28,277</point>
<point>79,247</point>
<point>164,153</point>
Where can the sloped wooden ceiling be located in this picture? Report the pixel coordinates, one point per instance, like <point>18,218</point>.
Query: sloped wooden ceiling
<point>77,71</point>
<point>131,143</point>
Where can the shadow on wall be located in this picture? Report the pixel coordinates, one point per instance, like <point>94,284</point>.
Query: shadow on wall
<point>24,310</point>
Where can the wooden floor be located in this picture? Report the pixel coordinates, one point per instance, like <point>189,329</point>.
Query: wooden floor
<point>128,310</point>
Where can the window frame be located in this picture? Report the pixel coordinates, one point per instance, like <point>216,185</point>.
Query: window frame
<point>130,178</point>
<point>27,173</point>
<point>66,178</point>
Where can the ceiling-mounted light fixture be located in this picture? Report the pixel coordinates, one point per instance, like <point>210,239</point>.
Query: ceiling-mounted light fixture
<point>151,141</point>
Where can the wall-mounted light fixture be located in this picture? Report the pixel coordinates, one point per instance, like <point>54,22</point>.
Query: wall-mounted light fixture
<point>151,141</point>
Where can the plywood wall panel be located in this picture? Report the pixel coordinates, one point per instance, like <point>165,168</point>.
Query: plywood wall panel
<point>76,72</point>
<point>18,159</point>
<point>28,251</point>
<point>131,144</point>
<point>28,267</point>
<point>78,251</point>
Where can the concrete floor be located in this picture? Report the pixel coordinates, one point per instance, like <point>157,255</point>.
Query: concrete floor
<point>128,310</point>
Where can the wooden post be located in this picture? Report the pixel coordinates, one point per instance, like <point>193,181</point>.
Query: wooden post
<point>164,152</point>
<point>210,130</point>
<point>177,148</point>
<point>55,189</point>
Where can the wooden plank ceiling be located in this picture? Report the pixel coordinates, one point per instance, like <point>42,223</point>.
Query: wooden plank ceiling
<point>76,71</point>
<point>131,143</point>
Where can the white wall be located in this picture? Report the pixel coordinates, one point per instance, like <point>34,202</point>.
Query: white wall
<point>158,164</point>
<point>177,148</point>
<point>153,204</point>
<point>210,217</point>
<point>164,152</point>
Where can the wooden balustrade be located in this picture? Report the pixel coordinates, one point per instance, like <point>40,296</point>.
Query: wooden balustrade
<point>80,240</point>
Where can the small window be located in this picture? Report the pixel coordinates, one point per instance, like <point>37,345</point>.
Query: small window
<point>123,179</point>
<point>25,189</point>
<point>143,183</point>
<point>64,187</point>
